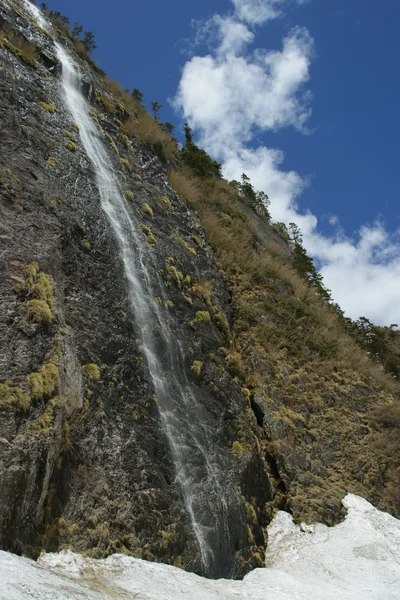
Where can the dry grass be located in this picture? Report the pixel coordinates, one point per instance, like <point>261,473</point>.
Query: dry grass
<point>291,351</point>
<point>20,47</point>
<point>139,123</point>
<point>238,248</point>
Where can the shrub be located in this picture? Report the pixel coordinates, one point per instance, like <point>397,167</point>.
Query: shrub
<point>36,385</point>
<point>147,209</point>
<point>50,378</point>
<point>197,367</point>
<point>174,274</point>
<point>150,237</point>
<point>30,272</point>
<point>124,140</point>
<point>128,195</point>
<point>48,107</point>
<point>39,311</point>
<point>22,49</point>
<point>126,164</point>
<point>43,289</point>
<point>91,371</point>
<point>203,289</point>
<point>13,396</point>
<point>203,316</point>
<point>166,201</point>
<point>112,143</point>
<point>71,146</point>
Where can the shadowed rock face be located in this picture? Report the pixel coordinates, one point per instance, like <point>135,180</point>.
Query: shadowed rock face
<point>86,461</point>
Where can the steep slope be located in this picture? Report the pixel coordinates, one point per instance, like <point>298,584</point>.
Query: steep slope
<point>87,442</point>
<point>279,408</point>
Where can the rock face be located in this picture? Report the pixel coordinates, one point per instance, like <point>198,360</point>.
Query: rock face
<point>85,459</point>
<point>265,405</point>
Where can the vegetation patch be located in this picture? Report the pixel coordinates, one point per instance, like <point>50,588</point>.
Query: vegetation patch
<point>112,143</point>
<point>128,195</point>
<point>71,146</point>
<point>21,48</point>
<point>126,164</point>
<point>197,367</point>
<point>203,316</point>
<point>147,209</point>
<point>12,396</point>
<point>148,233</point>
<point>39,311</point>
<point>48,107</point>
<point>91,371</point>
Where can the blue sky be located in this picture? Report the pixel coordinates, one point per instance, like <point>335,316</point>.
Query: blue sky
<point>325,93</point>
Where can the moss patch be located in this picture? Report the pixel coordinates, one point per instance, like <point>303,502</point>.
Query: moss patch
<point>48,107</point>
<point>91,371</point>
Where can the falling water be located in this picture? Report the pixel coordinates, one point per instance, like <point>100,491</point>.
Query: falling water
<point>182,415</point>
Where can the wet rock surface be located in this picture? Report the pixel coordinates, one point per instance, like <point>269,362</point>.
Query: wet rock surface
<point>87,464</point>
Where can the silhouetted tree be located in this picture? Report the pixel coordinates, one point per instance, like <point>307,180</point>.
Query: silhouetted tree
<point>137,94</point>
<point>156,107</point>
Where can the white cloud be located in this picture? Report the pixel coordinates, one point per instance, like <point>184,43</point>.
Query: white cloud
<point>257,12</point>
<point>232,95</point>
<point>226,97</point>
<point>363,271</point>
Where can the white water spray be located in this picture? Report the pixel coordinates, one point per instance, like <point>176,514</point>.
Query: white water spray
<point>37,15</point>
<point>183,418</point>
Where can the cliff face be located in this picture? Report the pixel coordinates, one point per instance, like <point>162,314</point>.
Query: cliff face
<point>85,457</point>
<point>92,456</point>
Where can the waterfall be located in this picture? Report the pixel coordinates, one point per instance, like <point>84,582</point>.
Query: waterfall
<point>183,417</point>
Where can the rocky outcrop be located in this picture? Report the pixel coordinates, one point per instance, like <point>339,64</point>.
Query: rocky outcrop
<point>85,461</point>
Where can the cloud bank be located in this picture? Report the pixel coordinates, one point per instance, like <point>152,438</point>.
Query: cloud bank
<point>236,93</point>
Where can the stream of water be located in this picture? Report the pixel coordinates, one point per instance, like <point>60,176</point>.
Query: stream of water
<point>182,415</point>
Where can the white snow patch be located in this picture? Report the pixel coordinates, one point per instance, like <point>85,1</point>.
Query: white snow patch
<point>356,560</point>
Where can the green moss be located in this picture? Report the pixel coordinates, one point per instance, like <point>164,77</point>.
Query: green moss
<point>150,237</point>
<point>128,195</point>
<point>203,316</point>
<point>52,161</point>
<point>197,367</point>
<point>39,311</point>
<point>137,177</point>
<point>147,209</point>
<point>168,304</point>
<point>68,134</point>
<point>71,146</point>
<point>13,396</point>
<point>75,127</point>
<point>91,371</point>
<point>48,107</point>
